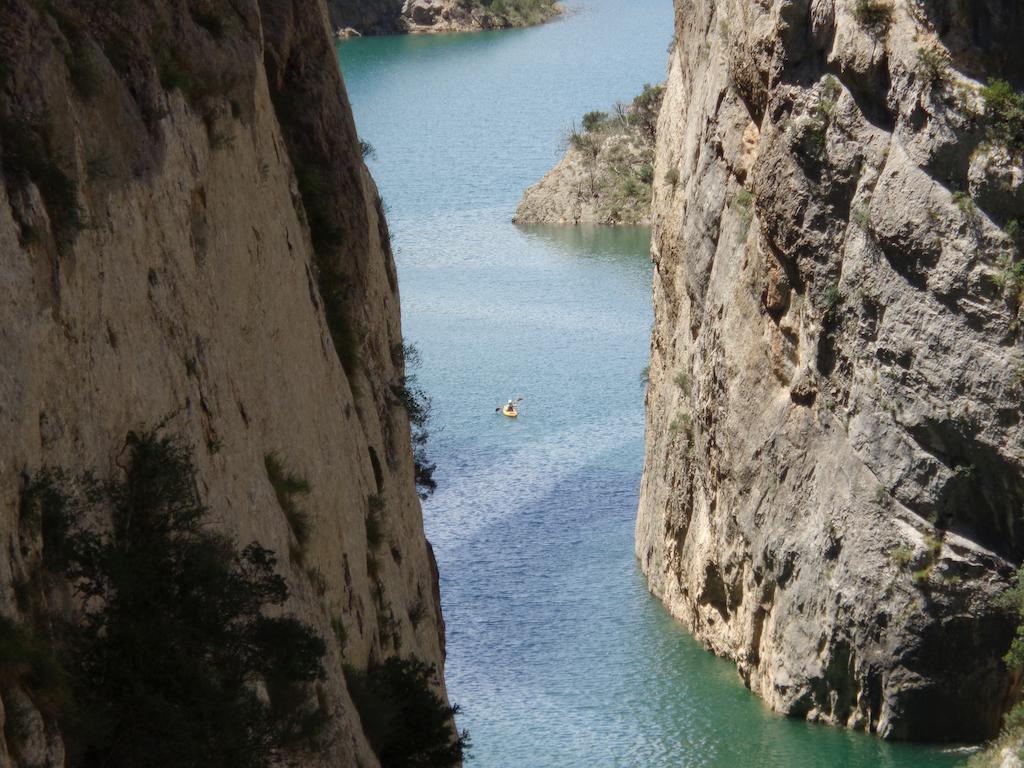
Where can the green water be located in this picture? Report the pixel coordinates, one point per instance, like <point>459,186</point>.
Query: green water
<point>556,651</point>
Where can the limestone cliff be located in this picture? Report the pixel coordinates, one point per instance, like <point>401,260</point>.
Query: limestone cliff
<point>390,17</point>
<point>189,238</point>
<point>606,174</point>
<point>834,465</point>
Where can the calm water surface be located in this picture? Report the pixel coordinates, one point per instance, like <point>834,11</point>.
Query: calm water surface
<point>556,651</point>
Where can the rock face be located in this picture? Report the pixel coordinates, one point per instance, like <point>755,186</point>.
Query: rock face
<point>189,238</point>
<point>606,174</point>
<point>368,17</point>
<point>833,483</point>
<point>389,17</point>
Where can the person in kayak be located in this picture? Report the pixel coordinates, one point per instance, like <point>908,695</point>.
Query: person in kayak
<point>511,406</point>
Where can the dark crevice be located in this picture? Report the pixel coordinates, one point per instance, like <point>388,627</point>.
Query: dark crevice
<point>984,495</point>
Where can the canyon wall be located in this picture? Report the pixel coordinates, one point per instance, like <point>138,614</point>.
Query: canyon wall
<point>189,241</point>
<point>834,465</point>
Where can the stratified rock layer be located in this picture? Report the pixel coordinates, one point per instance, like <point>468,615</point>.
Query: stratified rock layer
<point>833,484</point>
<point>183,196</point>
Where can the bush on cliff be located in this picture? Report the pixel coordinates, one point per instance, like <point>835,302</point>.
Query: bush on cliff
<point>1012,737</point>
<point>645,108</point>
<point>175,661</point>
<point>406,721</point>
<point>417,405</point>
<point>1004,114</point>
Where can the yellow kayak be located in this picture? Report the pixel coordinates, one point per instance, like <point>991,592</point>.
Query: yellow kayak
<point>510,412</point>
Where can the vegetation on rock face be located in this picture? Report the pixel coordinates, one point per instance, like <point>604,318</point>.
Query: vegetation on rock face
<point>1004,114</point>
<point>406,721</point>
<point>418,406</point>
<point>175,661</point>
<point>617,151</point>
<point>873,15</point>
<point>1012,737</point>
<point>514,13</point>
<point>287,486</point>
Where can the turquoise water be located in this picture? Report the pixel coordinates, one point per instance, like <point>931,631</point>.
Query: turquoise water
<point>556,651</point>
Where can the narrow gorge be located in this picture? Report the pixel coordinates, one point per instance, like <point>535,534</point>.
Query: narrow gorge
<point>192,247</point>
<point>834,473</point>
<point>354,18</point>
<point>216,488</point>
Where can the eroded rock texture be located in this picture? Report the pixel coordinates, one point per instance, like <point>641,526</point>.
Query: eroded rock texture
<point>833,485</point>
<point>189,238</point>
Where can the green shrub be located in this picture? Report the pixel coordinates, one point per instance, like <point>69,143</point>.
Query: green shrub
<point>862,217</point>
<point>1010,279</point>
<point>366,149</point>
<point>593,121</point>
<point>1004,114</point>
<point>873,15</point>
<point>743,205</point>
<point>672,176</point>
<point>1013,600</point>
<point>965,203</point>
<point>819,117</point>
<point>406,721</point>
<point>631,188</point>
<point>645,173</point>
<point>833,298</point>
<point>287,486</point>
<point>175,631</point>
<point>645,376</point>
<point>522,12</point>
<point>585,144</point>
<point>644,110</point>
<point>682,381</point>
<point>922,577</point>
<point>45,509</point>
<point>901,556</point>
<point>933,64</point>
<point>1014,231</point>
<point>682,422</point>
<point>418,407</point>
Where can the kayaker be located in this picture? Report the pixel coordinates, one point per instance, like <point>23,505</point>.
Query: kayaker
<point>511,406</point>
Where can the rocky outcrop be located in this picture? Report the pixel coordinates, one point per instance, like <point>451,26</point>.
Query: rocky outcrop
<point>367,17</point>
<point>606,174</point>
<point>834,473</point>
<point>189,240</point>
<point>389,17</point>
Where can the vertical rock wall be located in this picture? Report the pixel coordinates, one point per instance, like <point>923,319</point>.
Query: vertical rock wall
<point>189,238</point>
<point>833,484</point>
